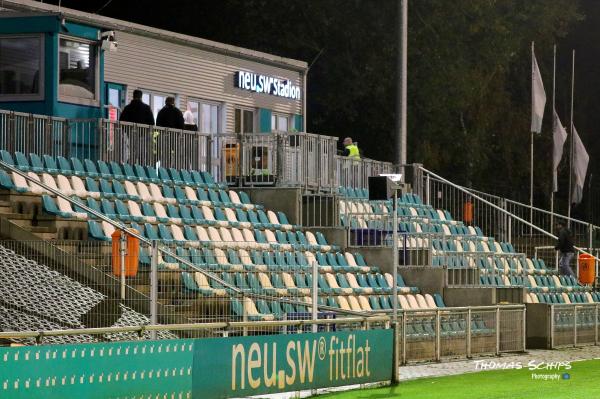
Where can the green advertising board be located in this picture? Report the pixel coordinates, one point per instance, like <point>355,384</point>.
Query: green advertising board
<point>200,368</point>
<point>255,365</point>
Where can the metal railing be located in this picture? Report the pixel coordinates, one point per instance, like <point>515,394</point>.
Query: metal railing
<point>524,227</point>
<point>423,335</point>
<point>574,325</point>
<point>284,159</point>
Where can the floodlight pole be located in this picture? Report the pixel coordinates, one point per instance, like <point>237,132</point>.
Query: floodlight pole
<point>400,150</point>
<point>396,352</point>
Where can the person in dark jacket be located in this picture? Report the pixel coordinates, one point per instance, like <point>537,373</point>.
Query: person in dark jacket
<point>136,111</point>
<point>565,248</point>
<point>170,116</point>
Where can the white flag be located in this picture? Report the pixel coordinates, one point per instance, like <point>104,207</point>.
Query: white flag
<point>538,95</point>
<point>560,136</point>
<point>580,164</point>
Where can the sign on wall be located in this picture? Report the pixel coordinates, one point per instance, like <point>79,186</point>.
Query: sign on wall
<point>266,84</point>
<point>200,368</point>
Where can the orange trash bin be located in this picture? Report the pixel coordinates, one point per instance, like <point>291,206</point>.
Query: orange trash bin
<point>587,269</point>
<point>468,212</point>
<point>132,254</point>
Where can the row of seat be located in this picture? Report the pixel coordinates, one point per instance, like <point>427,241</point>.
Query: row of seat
<point>170,213</point>
<point>263,310</point>
<point>563,297</point>
<point>109,170</point>
<point>294,283</point>
<point>534,284</point>
<point>218,237</point>
<point>259,260</point>
<point>139,191</point>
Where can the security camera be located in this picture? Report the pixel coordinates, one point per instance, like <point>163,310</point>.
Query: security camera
<point>108,35</point>
<point>109,41</point>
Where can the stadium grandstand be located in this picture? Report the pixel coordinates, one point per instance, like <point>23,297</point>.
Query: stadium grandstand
<point>131,252</point>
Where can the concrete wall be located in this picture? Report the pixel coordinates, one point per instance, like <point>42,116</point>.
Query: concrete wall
<point>286,200</point>
<point>376,256</point>
<point>538,326</point>
<point>334,235</point>
<point>481,296</point>
<point>430,280</point>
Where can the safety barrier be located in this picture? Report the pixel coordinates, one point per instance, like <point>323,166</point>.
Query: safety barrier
<point>284,159</point>
<point>574,325</point>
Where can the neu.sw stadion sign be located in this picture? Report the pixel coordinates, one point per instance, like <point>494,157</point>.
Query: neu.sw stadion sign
<point>266,84</point>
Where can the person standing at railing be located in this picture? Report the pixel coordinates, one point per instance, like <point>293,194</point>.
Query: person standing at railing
<point>350,149</point>
<point>565,247</point>
<point>137,111</point>
<point>170,116</point>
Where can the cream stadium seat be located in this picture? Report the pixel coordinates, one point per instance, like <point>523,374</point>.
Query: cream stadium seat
<point>343,302</point>
<point>80,190</point>
<point>412,302</point>
<point>421,301</point>
<point>226,237</point>
<point>64,186</point>
<point>130,189</point>
<point>65,206</point>
<point>265,282</point>
<point>134,210</point>
<point>221,257</point>
<point>430,301</point>
<point>214,236</point>
<point>202,283</point>
<point>403,302</point>
<point>364,303</point>
<point>354,284</point>
<point>251,311</point>
<point>167,265</point>
<point>143,192</point>
<point>158,197</point>
<point>20,182</point>
<point>36,188</point>
<point>251,241</point>
<point>161,213</point>
<point>332,282</point>
<point>354,304</point>
<point>288,281</point>
<point>108,229</point>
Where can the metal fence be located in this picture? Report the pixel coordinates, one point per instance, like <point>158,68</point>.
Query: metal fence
<point>452,333</point>
<point>574,325</point>
<point>251,159</point>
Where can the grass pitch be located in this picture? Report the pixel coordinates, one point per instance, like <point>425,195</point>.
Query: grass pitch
<point>582,381</point>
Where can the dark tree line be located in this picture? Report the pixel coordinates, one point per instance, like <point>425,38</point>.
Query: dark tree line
<point>469,73</point>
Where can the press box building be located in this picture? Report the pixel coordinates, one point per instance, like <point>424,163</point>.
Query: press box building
<point>67,63</point>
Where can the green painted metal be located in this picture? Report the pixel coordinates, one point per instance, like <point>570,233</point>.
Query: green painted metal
<point>200,368</point>
<point>108,370</point>
<point>246,366</point>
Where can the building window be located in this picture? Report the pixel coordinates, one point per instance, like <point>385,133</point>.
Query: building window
<point>280,123</point>
<point>244,120</point>
<point>78,74</point>
<point>21,68</point>
<point>156,101</point>
<point>206,115</point>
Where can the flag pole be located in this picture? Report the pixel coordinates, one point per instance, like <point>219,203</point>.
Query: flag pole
<point>553,110</point>
<point>531,155</point>
<point>571,142</point>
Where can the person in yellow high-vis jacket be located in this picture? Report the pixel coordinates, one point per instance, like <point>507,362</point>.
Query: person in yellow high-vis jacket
<point>350,149</point>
